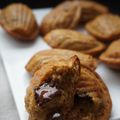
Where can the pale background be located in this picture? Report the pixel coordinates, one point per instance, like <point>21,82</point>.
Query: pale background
<point>8,109</point>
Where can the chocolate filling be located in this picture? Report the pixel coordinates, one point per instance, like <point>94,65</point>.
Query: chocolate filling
<point>86,104</point>
<point>46,92</point>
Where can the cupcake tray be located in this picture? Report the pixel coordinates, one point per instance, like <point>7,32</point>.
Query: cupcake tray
<point>15,56</point>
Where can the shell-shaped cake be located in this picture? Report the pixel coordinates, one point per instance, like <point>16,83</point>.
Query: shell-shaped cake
<point>46,56</point>
<point>91,9</point>
<point>50,95</point>
<point>111,56</point>
<point>92,100</point>
<point>74,40</point>
<point>65,15</point>
<point>19,21</point>
<point>105,27</point>
<point>62,91</point>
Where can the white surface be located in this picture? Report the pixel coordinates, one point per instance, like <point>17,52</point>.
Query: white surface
<point>15,56</point>
<point>6,99</point>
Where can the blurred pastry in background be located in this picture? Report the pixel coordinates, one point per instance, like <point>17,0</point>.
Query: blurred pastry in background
<point>91,9</point>
<point>111,56</point>
<point>70,14</point>
<point>46,56</point>
<point>105,27</point>
<point>19,21</point>
<point>65,15</point>
<point>74,40</point>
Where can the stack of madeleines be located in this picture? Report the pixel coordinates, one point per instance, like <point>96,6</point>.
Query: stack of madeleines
<point>64,83</point>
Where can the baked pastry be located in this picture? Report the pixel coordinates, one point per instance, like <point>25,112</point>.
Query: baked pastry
<point>73,40</point>
<point>91,9</point>
<point>105,27</point>
<point>50,94</point>
<point>111,56</point>
<point>46,56</point>
<point>65,15</point>
<point>18,20</point>
<point>60,90</point>
<point>92,99</point>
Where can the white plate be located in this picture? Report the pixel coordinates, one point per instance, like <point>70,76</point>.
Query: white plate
<point>15,56</point>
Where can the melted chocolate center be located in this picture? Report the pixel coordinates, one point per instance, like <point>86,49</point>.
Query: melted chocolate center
<point>45,93</point>
<point>85,103</point>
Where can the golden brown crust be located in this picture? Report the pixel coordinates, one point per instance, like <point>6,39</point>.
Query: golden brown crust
<point>18,20</point>
<point>59,92</point>
<point>73,40</point>
<point>46,56</point>
<point>105,27</point>
<point>65,15</point>
<point>93,100</point>
<point>111,56</point>
<point>91,9</point>
<point>95,88</point>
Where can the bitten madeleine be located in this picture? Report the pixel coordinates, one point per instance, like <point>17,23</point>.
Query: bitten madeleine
<point>73,40</point>
<point>46,56</point>
<point>111,56</point>
<point>50,94</point>
<point>92,100</point>
<point>91,9</point>
<point>105,27</point>
<point>62,91</point>
<point>65,15</point>
<point>18,20</point>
